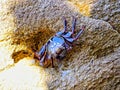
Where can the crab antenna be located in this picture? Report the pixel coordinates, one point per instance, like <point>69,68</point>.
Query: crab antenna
<point>65,24</point>
<point>73,24</point>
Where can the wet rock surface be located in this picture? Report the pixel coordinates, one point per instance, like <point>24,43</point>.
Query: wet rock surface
<point>92,64</point>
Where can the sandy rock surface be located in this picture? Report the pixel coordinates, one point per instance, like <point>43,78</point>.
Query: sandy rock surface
<point>109,11</point>
<point>92,64</point>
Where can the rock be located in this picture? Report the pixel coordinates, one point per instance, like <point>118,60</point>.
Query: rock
<point>23,75</point>
<point>28,24</point>
<point>107,9</point>
<point>101,73</point>
<point>98,74</point>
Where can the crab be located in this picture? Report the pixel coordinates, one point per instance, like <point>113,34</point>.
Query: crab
<point>57,46</point>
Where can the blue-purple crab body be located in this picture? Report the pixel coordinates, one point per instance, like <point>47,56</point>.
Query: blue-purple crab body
<point>58,45</point>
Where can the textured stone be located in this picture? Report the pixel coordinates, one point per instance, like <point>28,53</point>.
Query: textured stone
<point>92,64</point>
<point>107,10</point>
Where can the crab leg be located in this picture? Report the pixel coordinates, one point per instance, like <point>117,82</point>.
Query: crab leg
<point>78,35</point>
<point>36,55</point>
<point>52,62</point>
<point>65,24</point>
<point>43,58</point>
<point>42,50</point>
<point>43,53</point>
<point>73,25</point>
<point>73,29</point>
